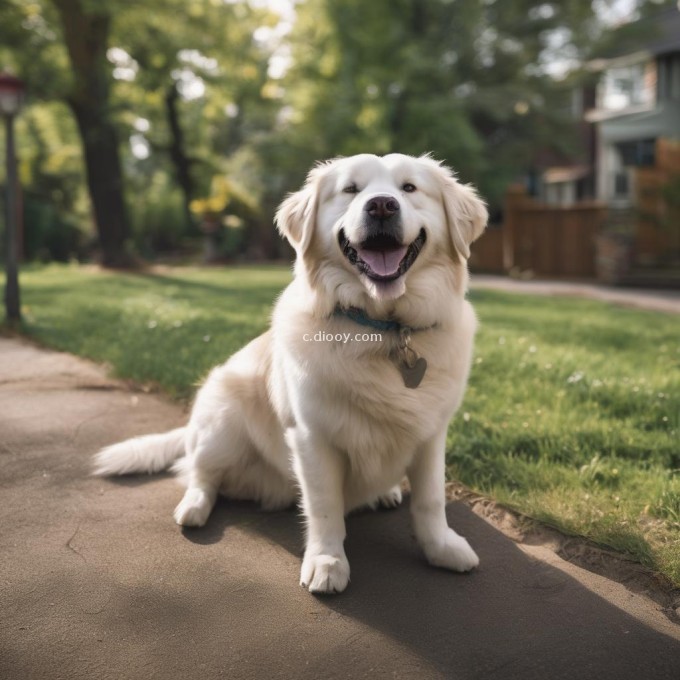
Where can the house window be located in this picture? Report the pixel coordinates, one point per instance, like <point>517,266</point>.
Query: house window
<point>621,183</point>
<point>626,86</point>
<point>638,153</point>
<point>620,177</point>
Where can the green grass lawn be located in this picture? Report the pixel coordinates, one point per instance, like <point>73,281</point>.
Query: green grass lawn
<point>571,416</point>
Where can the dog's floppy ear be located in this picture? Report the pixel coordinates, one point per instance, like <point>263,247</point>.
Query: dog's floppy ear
<point>296,216</point>
<point>466,212</point>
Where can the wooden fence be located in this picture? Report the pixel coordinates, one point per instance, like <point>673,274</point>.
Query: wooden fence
<point>554,241</point>
<point>543,239</point>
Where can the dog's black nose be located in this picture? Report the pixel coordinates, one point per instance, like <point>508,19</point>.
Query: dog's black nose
<point>382,207</point>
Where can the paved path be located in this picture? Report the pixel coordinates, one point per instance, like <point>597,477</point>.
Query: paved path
<point>97,582</point>
<point>652,299</point>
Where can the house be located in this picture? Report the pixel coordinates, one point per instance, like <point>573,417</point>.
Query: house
<point>637,105</point>
<point>611,208</point>
<point>567,179</point>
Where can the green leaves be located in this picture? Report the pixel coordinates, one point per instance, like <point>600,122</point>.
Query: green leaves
<point>465,80</point>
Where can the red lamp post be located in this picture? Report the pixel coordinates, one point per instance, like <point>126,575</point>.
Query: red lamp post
<point>11,98</point>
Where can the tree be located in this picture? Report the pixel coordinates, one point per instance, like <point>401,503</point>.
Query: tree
<point>59,47</point>
<point>86,26</point>
<point>119,66</point>
<point>199,84</point>
<point>207,51</point>
<point>466,80</point>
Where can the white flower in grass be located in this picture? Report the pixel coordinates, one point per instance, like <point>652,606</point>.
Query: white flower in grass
<point>575,377</point>
<point>206,338</point>
<point>152,324</point>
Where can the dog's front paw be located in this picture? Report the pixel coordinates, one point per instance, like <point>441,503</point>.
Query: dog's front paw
<point>194,508</point>
<point>451,552</point>
<point>324,573</point>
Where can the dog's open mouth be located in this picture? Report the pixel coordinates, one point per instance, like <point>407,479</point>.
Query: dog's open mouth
<point>382,257</point>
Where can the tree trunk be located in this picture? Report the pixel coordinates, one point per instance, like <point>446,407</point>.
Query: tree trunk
<point>178,155</point>
<point>86,33</point>
<point>261,241</point>
<point>105,184</point>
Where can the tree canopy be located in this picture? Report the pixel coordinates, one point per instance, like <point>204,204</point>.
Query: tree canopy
<point>143,117</point>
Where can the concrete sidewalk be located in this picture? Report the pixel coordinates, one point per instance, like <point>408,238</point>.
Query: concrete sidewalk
<point>98,582</point>
<point>657,300</point>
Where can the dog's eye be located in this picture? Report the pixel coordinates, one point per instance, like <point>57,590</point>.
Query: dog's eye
<point>408,188</point>
<point>351,189</point>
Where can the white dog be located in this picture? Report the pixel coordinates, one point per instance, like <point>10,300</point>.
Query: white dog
<point>381,270</point>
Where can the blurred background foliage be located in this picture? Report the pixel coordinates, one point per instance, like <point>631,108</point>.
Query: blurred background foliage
<point>150,126</point>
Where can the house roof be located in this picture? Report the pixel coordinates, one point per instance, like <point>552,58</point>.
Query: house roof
<point>662,121</point>
<point>654,35</point>
<point>565,174</point>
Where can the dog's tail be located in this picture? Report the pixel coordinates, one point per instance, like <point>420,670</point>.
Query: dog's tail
<point>151,453</point>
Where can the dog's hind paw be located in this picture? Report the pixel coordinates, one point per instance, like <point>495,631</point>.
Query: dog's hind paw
<point>391,499</point>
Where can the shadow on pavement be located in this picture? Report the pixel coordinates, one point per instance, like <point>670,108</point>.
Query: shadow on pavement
<point>514,617</point>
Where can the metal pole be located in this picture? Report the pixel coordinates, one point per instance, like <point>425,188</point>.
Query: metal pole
<point>12,304</point>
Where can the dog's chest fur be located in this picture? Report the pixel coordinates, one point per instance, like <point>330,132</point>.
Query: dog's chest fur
<point>353,395</point>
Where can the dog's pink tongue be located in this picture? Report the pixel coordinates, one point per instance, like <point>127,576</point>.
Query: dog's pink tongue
<point>383,262</point>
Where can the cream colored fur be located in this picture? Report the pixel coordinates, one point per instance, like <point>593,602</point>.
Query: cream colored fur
<point>333,423</point>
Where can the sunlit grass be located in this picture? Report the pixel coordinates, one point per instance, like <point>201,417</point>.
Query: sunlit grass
<point>168,329</point>
<point>571,416</point>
